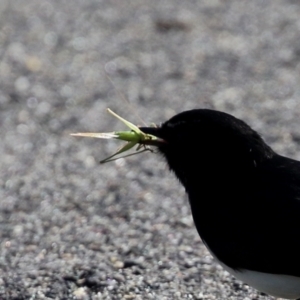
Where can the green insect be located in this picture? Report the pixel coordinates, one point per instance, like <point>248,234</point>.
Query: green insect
<point>133,137</point>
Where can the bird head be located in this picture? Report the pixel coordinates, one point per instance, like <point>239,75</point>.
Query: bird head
<point>209,142</point>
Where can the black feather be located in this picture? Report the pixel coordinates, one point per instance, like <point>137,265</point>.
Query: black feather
<point>245,198</point>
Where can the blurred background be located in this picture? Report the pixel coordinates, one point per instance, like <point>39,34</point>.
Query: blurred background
<point>73,229</point>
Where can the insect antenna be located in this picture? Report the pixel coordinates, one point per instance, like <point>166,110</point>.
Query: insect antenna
<point>132,109</point>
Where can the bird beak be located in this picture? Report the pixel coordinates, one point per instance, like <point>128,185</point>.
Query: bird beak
<point>141,137</point>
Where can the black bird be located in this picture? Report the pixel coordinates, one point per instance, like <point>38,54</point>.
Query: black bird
<point>244,197</point>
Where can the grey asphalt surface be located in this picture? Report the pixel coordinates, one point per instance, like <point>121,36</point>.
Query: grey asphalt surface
<point>73,229</point>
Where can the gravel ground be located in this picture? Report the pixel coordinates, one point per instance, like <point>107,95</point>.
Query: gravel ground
<point>72,229</point>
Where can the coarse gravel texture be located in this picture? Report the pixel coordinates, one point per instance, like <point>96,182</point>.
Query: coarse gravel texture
<point>73,229</point>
